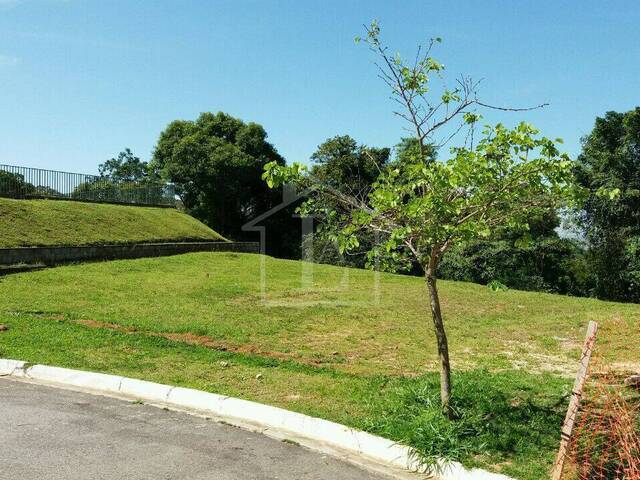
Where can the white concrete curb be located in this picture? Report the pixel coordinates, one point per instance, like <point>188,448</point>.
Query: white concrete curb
<point>328,437</point>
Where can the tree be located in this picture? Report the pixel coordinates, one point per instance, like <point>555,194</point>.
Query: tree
<point>14,185</point>
<point>126,168</point>
<point>216,163</point>
<point>345,165</point>
<point>609,169</point>
<point>423,207</point>
<point>538,259</point>
<point>125,179</point>
<point>341,162</point>
<point>409,147</point>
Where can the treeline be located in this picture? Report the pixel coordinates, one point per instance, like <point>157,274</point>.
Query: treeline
<point>216,163</point>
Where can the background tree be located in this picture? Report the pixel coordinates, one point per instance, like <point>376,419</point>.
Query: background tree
<point>352,168</point>
<point>126,168</point>
<point>609,168</point>
<point>216,162</point>
<point>347,166</point>
<point>125,179</point>
<point>409,147</point>
<point>14,185</point>
<point>538,259</point>
<point>423,207</point>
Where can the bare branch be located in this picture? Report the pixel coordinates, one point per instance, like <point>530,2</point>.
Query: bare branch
<point>507,109</point>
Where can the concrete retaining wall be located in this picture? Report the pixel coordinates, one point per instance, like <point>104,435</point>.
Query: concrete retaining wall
<point>58,255</point>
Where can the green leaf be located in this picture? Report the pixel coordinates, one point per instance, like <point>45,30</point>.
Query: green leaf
<point>524,241</point>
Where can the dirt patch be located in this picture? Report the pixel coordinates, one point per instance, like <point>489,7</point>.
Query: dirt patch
<point>525,355</point>
<point>626,367</point>
<point>110,326</point>
<point>569,344</point>
<point>208,342</point>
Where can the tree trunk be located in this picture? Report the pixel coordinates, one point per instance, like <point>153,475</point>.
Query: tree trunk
<point>441,337</point>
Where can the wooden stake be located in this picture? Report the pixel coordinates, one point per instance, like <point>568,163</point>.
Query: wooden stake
<point>574,403</point>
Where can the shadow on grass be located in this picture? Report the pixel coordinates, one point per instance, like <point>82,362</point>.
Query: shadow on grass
<point>509,420</point>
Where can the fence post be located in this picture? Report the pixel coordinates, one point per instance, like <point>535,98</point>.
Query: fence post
<point>574,403</point>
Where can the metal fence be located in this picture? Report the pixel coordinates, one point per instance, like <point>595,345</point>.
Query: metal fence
<point>25,182</point>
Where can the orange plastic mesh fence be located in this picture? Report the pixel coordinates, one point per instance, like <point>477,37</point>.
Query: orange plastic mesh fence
<point>606,437</point>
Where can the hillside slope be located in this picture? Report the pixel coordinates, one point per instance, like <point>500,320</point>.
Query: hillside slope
<point>56,222</point>
<point>345,345</point>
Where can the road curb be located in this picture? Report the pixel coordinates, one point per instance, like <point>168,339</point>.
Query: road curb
<point>315,433</point>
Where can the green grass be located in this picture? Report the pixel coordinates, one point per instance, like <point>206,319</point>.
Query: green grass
<point>333,349</point>
<point>59,222</point>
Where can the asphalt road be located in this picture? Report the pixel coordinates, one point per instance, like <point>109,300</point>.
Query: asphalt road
<point>48,433</point>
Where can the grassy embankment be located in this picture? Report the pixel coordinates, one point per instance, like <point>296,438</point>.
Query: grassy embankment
<point>334,350</point>
<point>59,222</point>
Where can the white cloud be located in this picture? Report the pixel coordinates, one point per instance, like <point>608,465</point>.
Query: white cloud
<point>8,60</point>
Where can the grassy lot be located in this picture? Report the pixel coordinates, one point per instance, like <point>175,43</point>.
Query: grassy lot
<point>342,349</point>
<point>59,222</point>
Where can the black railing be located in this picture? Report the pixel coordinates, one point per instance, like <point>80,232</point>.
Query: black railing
<point>25,182</point>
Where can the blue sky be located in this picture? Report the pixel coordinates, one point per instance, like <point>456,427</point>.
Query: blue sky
<point>81,80</point>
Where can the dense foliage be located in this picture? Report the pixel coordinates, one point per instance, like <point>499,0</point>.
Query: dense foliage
<point>544,262</point>
<point>127,168</point>
<point>14,185</point>
<point>603,261</point>
<point>352,169</point>
<point>216,162</point>
<point>609,168</point>
<point>538,259</point>
<point>347,166</point>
